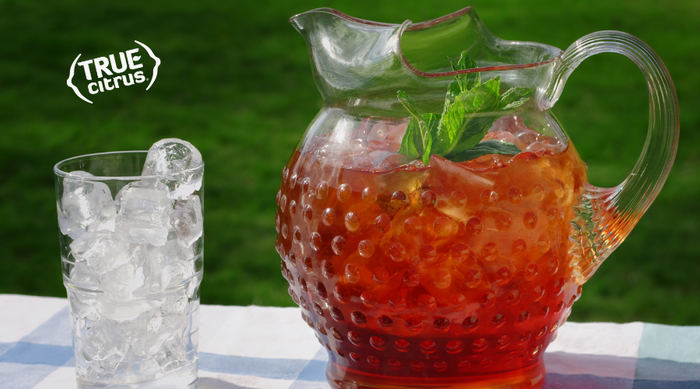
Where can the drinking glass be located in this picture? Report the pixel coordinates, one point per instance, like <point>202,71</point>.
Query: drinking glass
<point>131,255</point>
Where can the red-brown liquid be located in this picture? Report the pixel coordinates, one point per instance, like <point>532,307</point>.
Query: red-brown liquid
<point>433,276</point>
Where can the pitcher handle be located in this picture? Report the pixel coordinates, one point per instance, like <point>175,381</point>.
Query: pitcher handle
<point>605,216</point>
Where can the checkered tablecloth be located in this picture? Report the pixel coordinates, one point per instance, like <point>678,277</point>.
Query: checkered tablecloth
<point>272,348</point>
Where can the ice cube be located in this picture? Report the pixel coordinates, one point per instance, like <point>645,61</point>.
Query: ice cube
<point>171,158</point>
<point>144,214</point>
<point>348,153</point>
<point>171,155</point>
<point>142,184</point>
<point>118,310</point>
<point>156,273</point>
<point>160,278</point>
<point>82,273</point>
<point>177,262</point>
<point>82,304</point>
<point>121,282</point>
<point>103,251</point>
<point>187,221</point>
<point>504,136</point>
<point>525,138</point>
<point>85,203</point>
<point>156,237</point>
<point>387,135</point>
<point>387,160</point>
<point>172,351</point>
<point>167,265</point>
<point>193,288</point>
<point>161,327</point>
<point>65,224</point>
<point>133,330</point>
<point>177,305</point>
<point>144,369</point>
<point>550,145</point>
<point>102,347</point>
<point>171,338</point>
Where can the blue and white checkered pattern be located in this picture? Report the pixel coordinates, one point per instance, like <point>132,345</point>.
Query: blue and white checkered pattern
<point>272,348</point>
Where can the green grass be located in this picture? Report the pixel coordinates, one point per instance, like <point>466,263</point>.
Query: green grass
<point>235,81</point>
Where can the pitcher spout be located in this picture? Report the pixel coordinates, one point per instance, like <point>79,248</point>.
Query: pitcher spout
<point>348,55</point>
<point>360,63</point>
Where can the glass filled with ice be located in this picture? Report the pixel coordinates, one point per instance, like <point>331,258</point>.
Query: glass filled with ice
<point>131,252</point>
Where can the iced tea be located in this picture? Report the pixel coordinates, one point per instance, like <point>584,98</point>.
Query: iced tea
<point>431,276</point>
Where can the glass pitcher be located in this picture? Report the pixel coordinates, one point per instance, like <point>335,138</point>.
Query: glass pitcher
<point>435,223</point>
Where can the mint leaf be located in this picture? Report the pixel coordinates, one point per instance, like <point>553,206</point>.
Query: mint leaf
<point>421,130</point>
<point>412,141</point>
<point>459,127</point>
<point>417,143</point>
<point>446,135</point>
<point>431,121</point>
<point>483,148</point>
<point>469,111</point>
<point>409,104</point>
<point>453,90</point>
<point>468,80</point>
<point>474,132</point>
<point>422,136</point>
<point>451,124</point>
<point>484,97</point>
<point>515,97</point>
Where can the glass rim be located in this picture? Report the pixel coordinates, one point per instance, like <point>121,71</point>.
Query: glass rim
<point>63,174</point>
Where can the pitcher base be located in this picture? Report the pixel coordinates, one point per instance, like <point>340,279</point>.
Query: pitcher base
<point>531,377</point>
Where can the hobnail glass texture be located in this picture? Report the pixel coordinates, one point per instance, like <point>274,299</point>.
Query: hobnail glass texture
<point>449,274</point>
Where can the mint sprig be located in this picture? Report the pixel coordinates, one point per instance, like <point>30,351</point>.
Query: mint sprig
<point>456,134</point>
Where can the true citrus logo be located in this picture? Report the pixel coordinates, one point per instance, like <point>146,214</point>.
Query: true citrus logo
<point>105,73</point>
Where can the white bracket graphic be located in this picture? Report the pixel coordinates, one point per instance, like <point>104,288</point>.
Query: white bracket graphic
<point>155,68</point>
<point>69,82</point>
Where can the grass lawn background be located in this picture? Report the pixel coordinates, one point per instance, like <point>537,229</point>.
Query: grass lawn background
<point>235,81</point>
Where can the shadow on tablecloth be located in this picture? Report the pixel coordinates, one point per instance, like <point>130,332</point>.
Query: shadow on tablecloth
<point>213,383</point>
<point>577,371</point>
